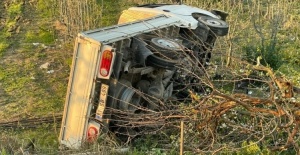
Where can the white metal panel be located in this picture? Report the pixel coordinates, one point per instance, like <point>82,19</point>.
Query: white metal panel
<point>80,87</point>
<point>119,32</point>
<point>183,10</point>
<point>183,13</point>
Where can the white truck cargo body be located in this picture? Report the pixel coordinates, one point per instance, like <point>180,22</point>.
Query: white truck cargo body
<point>84,71</point>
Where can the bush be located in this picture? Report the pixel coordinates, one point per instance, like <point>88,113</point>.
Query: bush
<point>269,52</point>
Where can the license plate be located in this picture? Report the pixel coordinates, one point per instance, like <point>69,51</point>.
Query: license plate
<point>102,102</point>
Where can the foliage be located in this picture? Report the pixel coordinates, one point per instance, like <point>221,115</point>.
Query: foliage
<point>267,46</point>
<point>270,53</point>
<point>250,148</point>
<point>15,9</point>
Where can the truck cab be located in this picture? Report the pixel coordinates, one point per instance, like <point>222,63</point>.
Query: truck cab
<point>131,68</point>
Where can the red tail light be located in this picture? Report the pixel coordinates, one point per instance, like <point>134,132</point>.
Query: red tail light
<point>92,134</point>
<point>106,61</point>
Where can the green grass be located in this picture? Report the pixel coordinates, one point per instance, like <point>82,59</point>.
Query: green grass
<point>29,91</point>
<point>3,47</point>
<point>46,9</point>
<point>31,87</point>
<point>15,9</point>
<point>43,138</point>
<point>41,36</point>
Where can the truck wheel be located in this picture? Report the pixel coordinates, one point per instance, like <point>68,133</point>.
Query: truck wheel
<point>217,26</point>
<point>129,100</point>
<point>166,53</point>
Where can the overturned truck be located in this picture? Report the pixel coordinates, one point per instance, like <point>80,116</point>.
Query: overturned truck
<point>148,53</point>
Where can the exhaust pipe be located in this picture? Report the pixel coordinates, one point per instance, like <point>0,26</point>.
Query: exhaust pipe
<point>126,67</point>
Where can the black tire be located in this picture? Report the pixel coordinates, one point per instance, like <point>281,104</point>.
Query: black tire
<point>166,53</point>
<point>153,60</point>
<point>129,100</point>
<point>217,26</point>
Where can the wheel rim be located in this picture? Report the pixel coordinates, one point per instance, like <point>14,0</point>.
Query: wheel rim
<point>214,22</point>
<point>167,43</point>
<point>166,52</point>
<point>218,26</point>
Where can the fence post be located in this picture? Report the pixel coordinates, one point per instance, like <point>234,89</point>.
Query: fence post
<point>181,137</point>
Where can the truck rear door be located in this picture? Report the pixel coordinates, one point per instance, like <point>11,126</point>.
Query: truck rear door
<point>79,94</point>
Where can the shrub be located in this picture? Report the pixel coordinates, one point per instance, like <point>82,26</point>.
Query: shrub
<point>269,52</point>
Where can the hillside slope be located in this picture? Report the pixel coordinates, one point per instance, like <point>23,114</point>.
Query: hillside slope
<point>34,67</point>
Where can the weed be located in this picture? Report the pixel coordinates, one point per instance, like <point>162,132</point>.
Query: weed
<point>15,9</point>
<point>17,83</point>
<point>46,37</point>
<point>42,36</point>
<point>11,23</point>
<point>68,61</point>
<point>46,8</point>
<point>269,52</point>
<point>3,46</point>
<point>250,148</point>
<point>3,152</point>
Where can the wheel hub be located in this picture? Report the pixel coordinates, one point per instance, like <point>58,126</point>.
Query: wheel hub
<point>214,22</point>
<point>165,43</point>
